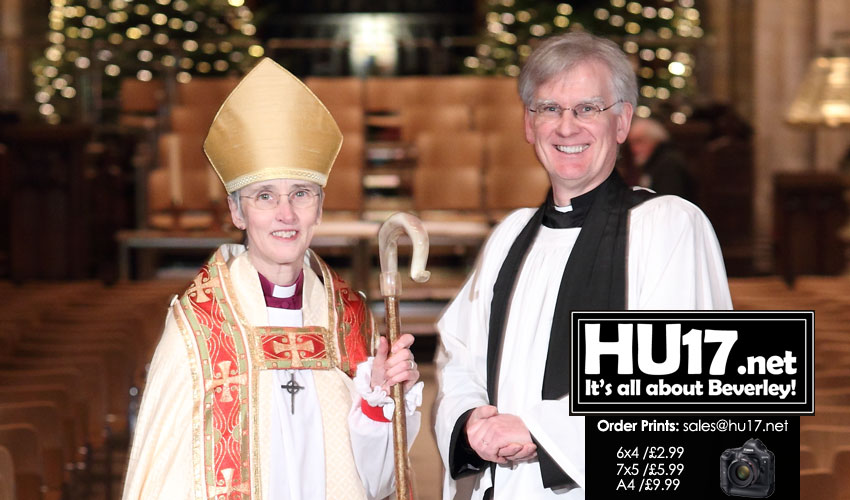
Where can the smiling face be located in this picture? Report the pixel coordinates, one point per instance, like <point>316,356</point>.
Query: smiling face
<point>277,237</point>
<point>578,155</point>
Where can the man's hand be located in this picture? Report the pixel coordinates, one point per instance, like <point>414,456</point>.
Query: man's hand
<point>499,437</point>
<point>390,368</point>
<point>516,452</point>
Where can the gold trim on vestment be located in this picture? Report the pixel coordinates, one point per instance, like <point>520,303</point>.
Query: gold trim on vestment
<point>327,281</point>
<point>214,297</point>
<point>197,402</point>
<point>254,390</point>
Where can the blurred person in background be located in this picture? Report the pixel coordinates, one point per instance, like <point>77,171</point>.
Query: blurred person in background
<point>661,167</point>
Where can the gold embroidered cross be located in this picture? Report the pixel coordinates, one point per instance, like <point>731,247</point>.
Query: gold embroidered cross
<point>225,380</point>
<point>294,347</point>
<point>228,487</point>
<point>198,286</point>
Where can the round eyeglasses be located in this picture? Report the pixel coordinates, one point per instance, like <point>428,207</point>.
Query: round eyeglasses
<point>585,112</point>
<point>298,198</point>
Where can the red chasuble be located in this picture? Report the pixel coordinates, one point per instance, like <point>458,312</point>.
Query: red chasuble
<point>231,353</point>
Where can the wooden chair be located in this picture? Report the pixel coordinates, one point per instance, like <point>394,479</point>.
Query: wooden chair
<point>183,193</point>
<point>446,90</point>
<point>344,191</point>
<point>161,210</point>
<point>447,150</point>
<point>500,118</point>
<point>140,102</point>
<point>349,119</point>
<point>457,189</point>
<point>499,91</point>
<point>192,120</point>
<point>388,94</point>
<point>337,92</point>
<point>514,176</point>
<point>203,201</point>
<point>817,484</point>
<point>448,174</point>
<point>208,92</point>
<point>184,149</point>
<point>416,120</point>
<point>137,96</point>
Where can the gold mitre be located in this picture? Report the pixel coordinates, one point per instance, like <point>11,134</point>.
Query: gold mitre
<point>272,127</point>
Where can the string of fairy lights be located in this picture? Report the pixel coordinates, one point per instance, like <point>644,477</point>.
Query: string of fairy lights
<point>140,38</point>
<point>659,35</point>
<point>146,39</point>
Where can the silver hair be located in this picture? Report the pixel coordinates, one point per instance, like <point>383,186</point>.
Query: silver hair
<point>562,53</point>
<point>236,198</point>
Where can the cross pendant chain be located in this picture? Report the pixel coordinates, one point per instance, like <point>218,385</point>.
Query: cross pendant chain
<point>292,387</point>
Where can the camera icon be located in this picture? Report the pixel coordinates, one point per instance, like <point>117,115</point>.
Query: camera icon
<point>748,471</point>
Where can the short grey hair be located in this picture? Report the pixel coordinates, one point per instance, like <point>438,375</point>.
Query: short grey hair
<point>236,198</point>
<point>562,53</point>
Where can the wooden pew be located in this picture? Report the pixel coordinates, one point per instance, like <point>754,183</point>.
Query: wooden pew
<point>23,443</point>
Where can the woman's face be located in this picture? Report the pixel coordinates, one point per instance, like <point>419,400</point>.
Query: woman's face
<point>278,235</point>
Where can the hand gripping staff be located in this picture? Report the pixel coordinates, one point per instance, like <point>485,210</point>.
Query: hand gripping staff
<point>388,236</point>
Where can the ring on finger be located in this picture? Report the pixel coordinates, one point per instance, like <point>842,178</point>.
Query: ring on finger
<point>412,364</point>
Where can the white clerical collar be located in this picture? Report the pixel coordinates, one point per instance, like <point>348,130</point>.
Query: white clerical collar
<point>563,210</point>
<point>283,292</point>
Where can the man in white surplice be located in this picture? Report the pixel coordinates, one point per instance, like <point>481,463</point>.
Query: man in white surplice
<point>594,244</point>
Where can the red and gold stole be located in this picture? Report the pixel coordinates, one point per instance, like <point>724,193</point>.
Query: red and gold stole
<point>231,353</point>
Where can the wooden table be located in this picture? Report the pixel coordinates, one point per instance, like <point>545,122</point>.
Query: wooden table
<point>357,235</point>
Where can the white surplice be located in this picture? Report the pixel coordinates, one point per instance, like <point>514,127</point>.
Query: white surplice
<point>299,421</point>
<point>674,262</point>
<point>292,448</point>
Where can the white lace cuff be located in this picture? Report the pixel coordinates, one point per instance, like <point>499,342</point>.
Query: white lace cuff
<point>377,397</point>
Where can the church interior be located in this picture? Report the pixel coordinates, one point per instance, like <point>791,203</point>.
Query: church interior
<point>110,205</point>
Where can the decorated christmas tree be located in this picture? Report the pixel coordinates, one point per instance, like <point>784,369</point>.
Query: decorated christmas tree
<point>658,35</point>
<point>95,43</point>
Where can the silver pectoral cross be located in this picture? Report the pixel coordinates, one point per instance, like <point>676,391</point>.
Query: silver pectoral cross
<point>292,387</point>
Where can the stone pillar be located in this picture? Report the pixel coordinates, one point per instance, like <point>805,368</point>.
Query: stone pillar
<point>783,45</point>
<point>831,144</point>
<point>787,35</point>
<point>730,49</point>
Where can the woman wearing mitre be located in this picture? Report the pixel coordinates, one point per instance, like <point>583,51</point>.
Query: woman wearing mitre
<point>270,381</point>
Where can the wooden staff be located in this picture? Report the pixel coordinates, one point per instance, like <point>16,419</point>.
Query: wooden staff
<point>396,225</point>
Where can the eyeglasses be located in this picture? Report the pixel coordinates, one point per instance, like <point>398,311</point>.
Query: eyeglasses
<point>298,198</point>
<point>585,112</point>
